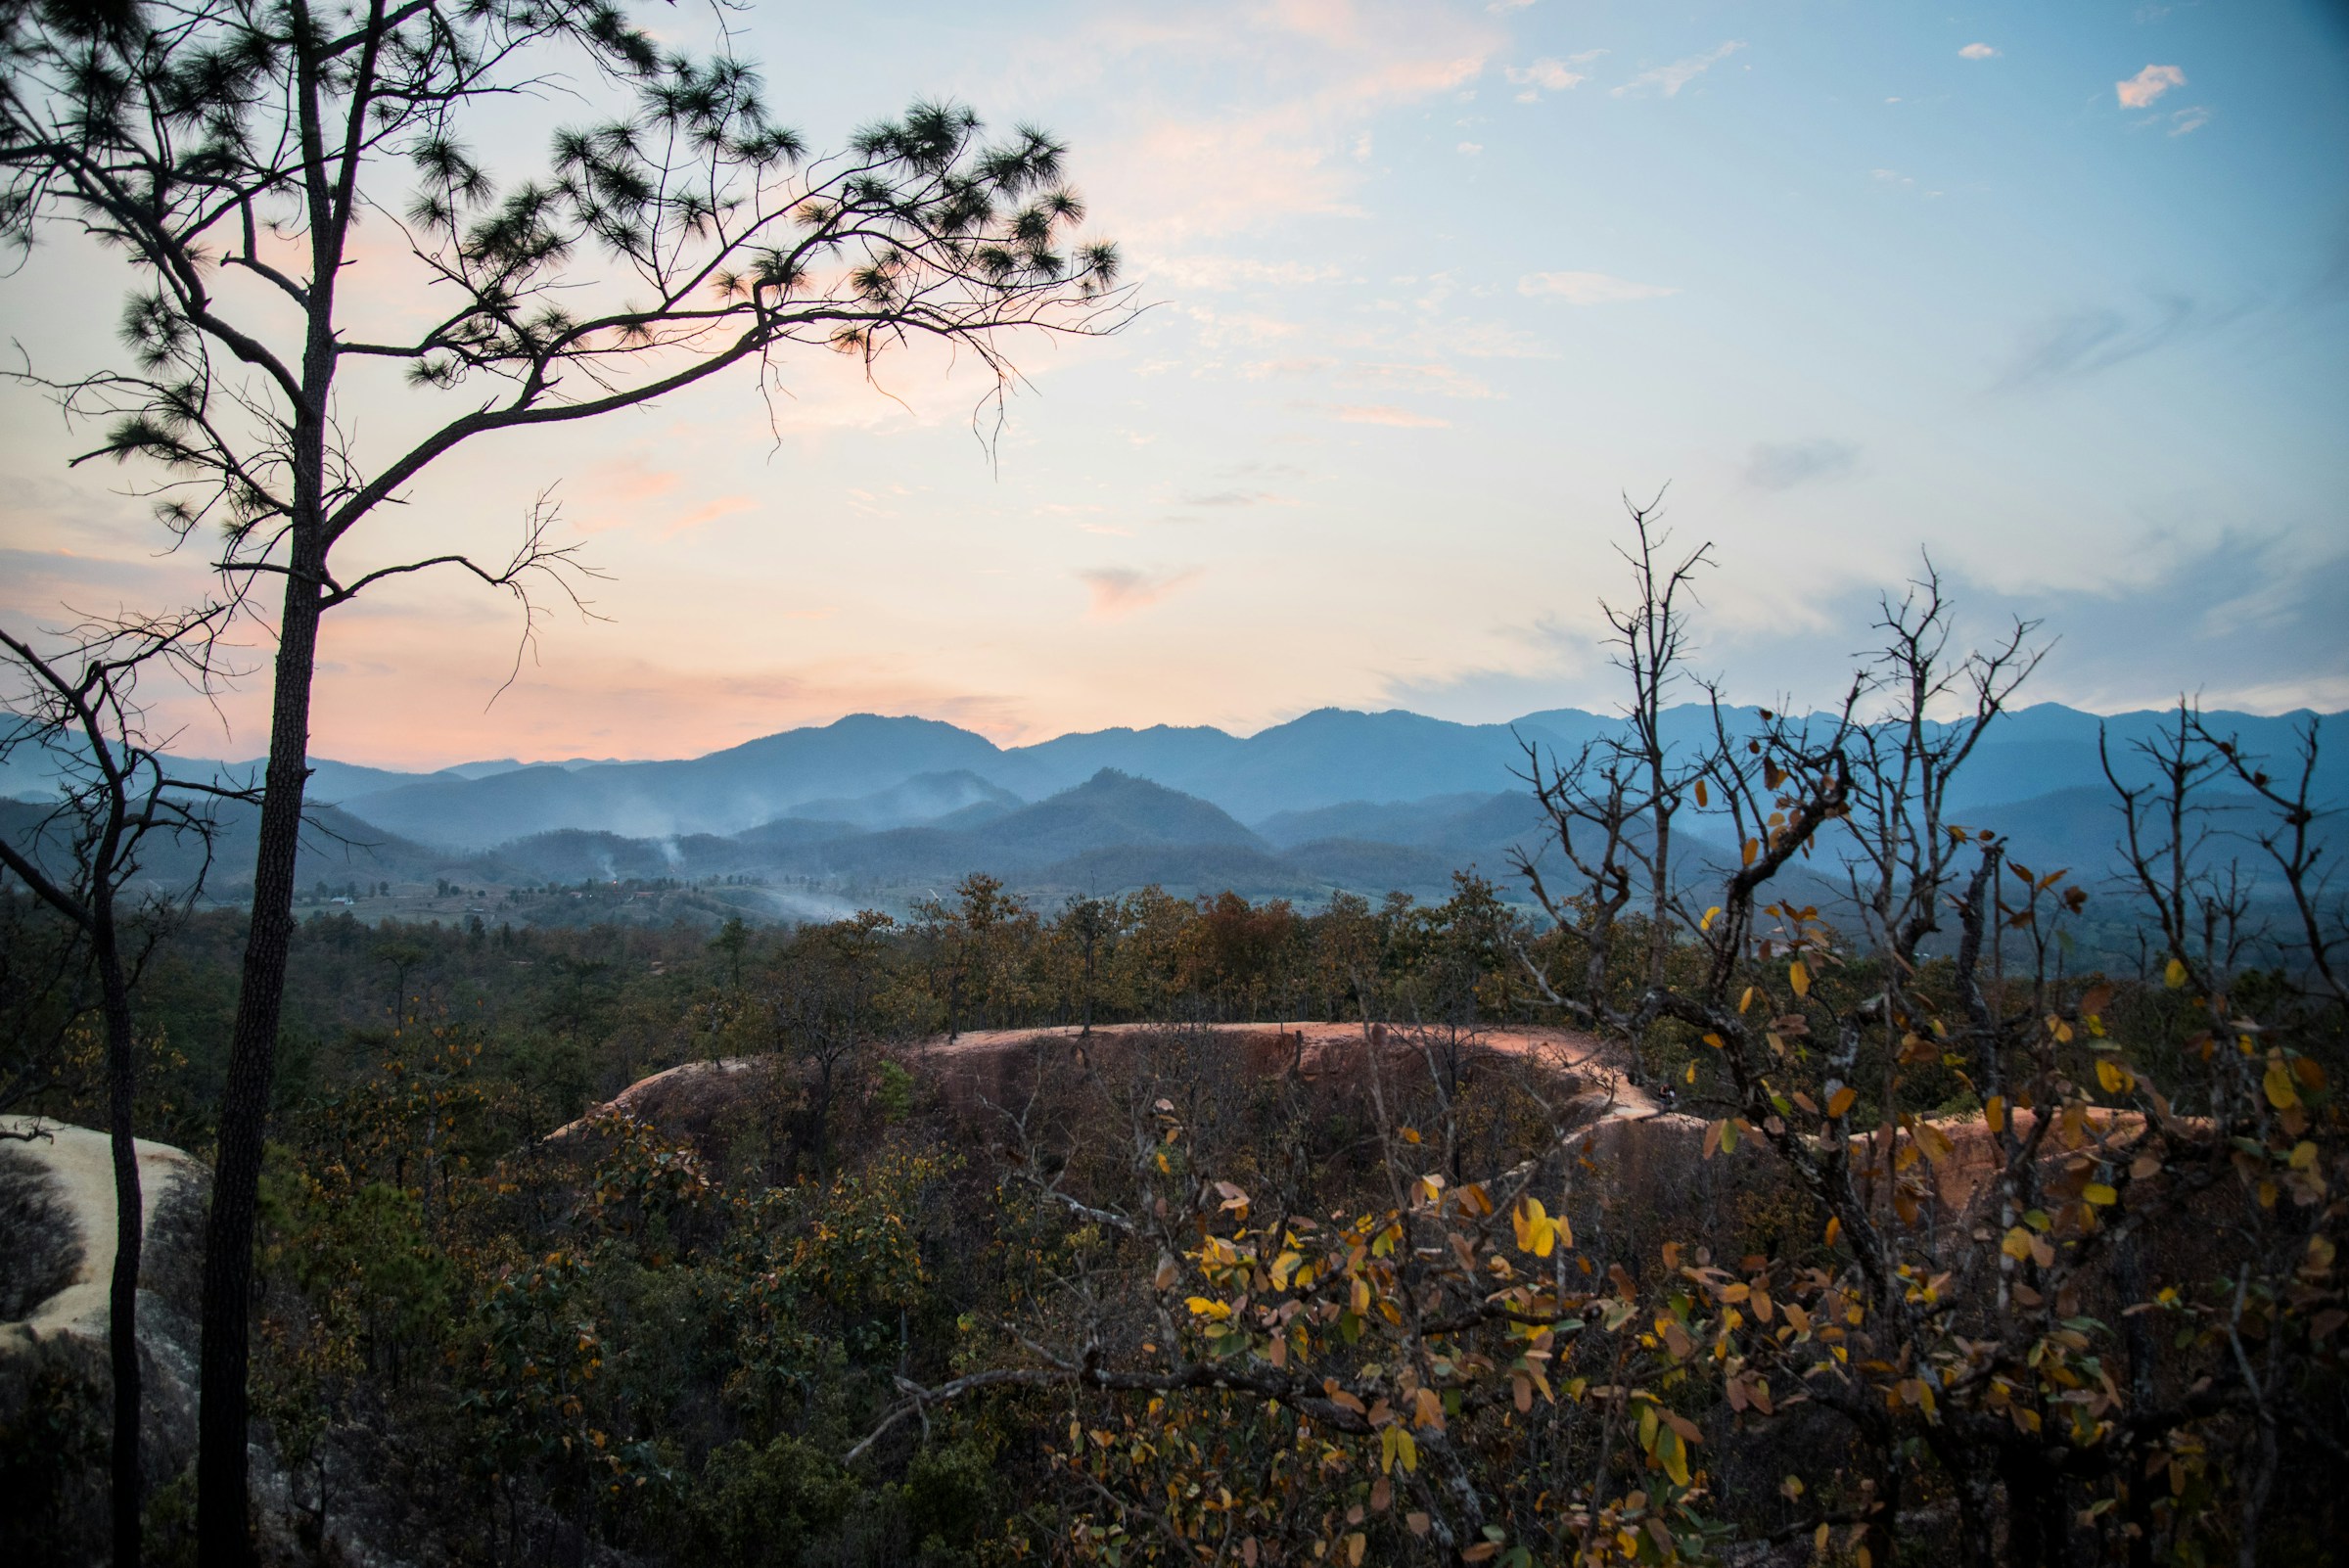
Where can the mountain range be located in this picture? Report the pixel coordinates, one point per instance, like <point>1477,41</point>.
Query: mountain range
<point>1336,799</point>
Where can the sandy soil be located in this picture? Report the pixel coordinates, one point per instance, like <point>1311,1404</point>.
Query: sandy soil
<point>1311,1049</point>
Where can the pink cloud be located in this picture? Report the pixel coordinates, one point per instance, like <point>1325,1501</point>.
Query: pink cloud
<point>1333,64</point>
<point>1977,51</point>
<point>1122,590</point>
<point>2140,90</point>
<point>1389,414</point>
<point>723,506</point>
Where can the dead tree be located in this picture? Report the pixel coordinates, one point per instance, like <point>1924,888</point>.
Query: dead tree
<point>115,794</point>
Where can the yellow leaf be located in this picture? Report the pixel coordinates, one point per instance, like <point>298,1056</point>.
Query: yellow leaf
<point>1673,1455</point>
<point>1994,1111</point>
<point>1711,914</point>
<point>1701,801</point>
<point>1840,1102</point>
<point>1751,849</point>
<point>1799,978</point>
<point>2110,1075</point>
<point>1204,1308</point>
<point>1691,1075</point>
<point>1835,1229</point>
<point>1715,1041</point>
<point>2278,1081</point>
<point>2017,1244</point>
<point>2100,1194</point>
<point>2174,976</point>
<point>1535,1231</point>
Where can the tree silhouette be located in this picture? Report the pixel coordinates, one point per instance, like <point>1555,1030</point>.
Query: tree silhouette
<point>230,153</point>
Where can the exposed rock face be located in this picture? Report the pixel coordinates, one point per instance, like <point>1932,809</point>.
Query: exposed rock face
<point>57,1255</point>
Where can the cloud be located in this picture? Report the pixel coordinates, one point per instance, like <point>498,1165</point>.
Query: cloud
<point>2140,90</point>
<point>1472,147</point>
<point>723,506</point>
<point>1389,414</point>
<point>1483,340</point>
<point>1122,590</point>
<point>2084,342</point>
<point>1231,498</point>
<point>1319,73</point>
<point>1225,272</point>
<point>1977,51</point>
<point>1440,378</point>
<point>1783,465</point>
<point>1680,73</point>
<point>2188,121</point>
<point>1590,287</point>
<point>1555,75</point>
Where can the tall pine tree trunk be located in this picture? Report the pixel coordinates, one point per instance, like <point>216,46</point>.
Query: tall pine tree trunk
<point>221,1529</point>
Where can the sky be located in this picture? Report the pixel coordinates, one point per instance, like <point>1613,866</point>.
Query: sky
<point>2058,296</point>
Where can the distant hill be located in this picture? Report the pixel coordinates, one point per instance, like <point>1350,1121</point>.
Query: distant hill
<point>336,848</point>
<point>1334,798</point>
<point>923,797</point>
<point>724,792</point>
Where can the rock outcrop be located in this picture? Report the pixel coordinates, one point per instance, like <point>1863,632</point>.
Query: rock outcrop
<point>57,1256</point>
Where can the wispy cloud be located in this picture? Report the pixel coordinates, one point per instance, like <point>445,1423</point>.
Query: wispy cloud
<point>1234,498</point>
<point>1669,79</point>
<point>723,506</point>
<point>1388,414</point>
<point>1977,51</point>
<point>1783,465</point>
<point>1300,146</point>
<point>2084,342</point>
<point>1590,287</point>
<point>2141,90</point>
<point>1225,273</point>
<point>1122,590</point>
<point>2188,121</point>
<point>1553,76</point>
<point>1440,378</point>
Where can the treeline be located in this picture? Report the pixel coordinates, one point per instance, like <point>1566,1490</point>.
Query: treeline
<point>578,1013</point>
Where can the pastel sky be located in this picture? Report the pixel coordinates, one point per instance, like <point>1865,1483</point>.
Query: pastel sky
<point>2060,294</point>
